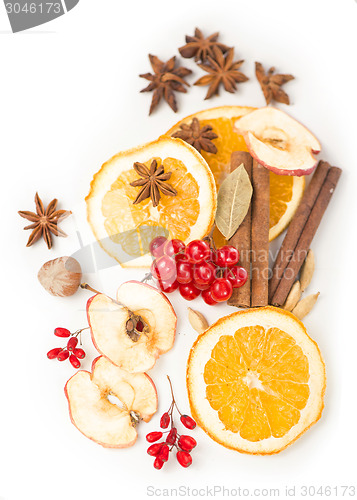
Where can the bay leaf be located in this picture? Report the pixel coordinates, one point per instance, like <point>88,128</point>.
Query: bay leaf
<point>233,201</point>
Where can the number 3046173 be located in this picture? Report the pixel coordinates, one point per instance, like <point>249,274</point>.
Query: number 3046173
<point>34,8</point>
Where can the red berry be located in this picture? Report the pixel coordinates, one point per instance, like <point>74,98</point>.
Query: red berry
<point>74,361</point>
<point>184,272</point>
<point>189,291</point>
<point>157,246</point>
<point>164,453</point>
<point>221,289</point>
<point>158,463</point>
<point>200,287</point>
<point>62,332</point>
<point>167,287</point>
<point>72,343</point>
<point>79,353</point>
<point>181,256</point>
<point>187,443</point>
<point>207,297</point>
<point>53,353</point>
<point>171,437</point>
<point>227,256</point>
<point>63,355</point>
<point>173,247</point>
<point>236,275</point>
<point>184,458</point>
<point>188,422</point>
<point>204,273</point>
<point>198,251</point>
<point>154,449</point>
<point>165,421</point>
<point>163,268</point>
<point>153,436</point>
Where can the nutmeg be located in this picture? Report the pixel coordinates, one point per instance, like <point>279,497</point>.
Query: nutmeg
<point>61,277</point>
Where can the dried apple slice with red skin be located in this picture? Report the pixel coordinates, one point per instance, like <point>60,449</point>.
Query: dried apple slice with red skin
<point>108,320</point>
<point>101,420</point>
<point>279,142</point>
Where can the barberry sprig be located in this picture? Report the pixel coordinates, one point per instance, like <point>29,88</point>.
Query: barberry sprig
<point>71,351</point>
<point>183,444</point>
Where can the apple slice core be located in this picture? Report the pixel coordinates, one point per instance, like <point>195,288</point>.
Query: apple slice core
<point>108,322</point>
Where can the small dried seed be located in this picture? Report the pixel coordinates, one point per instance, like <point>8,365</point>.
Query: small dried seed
<point>197,320</point>
<point>307,270</point>
<point>135,418</point>
<point>293,297</point>
<point>130,325</point>
<point>305,305</point>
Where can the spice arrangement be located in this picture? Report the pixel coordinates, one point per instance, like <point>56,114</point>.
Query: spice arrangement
<point>198,208</point>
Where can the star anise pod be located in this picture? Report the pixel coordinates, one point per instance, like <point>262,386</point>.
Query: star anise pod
<point>45,221</point>
<point>199,138</point>
<point>199,47</point>
<point>222,70</point>
<point>165,81</point>
<point>152,182</point>
<point>271,84</point>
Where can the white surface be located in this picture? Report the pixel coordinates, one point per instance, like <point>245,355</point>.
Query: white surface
<point>69,100</point>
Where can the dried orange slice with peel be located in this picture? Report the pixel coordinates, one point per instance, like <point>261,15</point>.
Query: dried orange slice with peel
<point>256,380</point>
<point>285,192</point>
<point>125,230</point>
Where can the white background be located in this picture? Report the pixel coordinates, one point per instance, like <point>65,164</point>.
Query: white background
<point>69,100</point>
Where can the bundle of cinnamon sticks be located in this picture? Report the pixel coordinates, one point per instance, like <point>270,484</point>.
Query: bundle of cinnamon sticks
<point>252,237</point>
<point>301,231</point>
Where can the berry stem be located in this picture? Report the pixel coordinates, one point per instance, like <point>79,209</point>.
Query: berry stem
<point>210,234</point>
<point>173,397</point>
<point>147,277</point>
<point>210,239</point>
<point>78,332</point>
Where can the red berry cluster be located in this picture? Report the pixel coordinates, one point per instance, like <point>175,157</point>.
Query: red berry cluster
<point>183,444</point>
<point>71,351</point>
<point>196,269</point>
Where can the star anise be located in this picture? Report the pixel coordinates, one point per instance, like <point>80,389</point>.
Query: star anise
<point>152,182</point>
<point>222,70</point>
<point>199,47</point>
<point>45,221</point>
<point>165,81</point>
<point>199,138</point>
<point>271,84</point>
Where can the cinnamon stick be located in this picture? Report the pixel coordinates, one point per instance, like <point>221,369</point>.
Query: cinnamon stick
<point>260,235</point>
<point>306,236</point>
<point>241,238</point>
<point>296,226</point>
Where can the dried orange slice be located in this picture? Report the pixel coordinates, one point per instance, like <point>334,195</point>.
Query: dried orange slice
<point>256,380</point>
<point>125,230</point>
<point>285,191</point>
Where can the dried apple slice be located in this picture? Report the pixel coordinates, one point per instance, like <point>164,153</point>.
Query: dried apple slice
<point>279,142</point>
<point>113,334</point>
<point>107,423</point>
